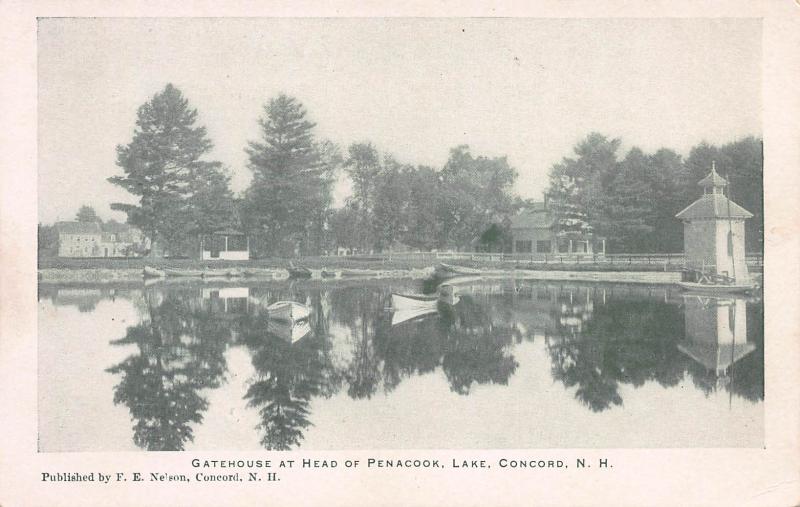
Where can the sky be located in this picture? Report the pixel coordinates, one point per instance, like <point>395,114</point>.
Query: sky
<point>528,89</point>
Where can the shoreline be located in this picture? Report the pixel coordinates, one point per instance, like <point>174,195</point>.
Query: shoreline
<point>116,275</point>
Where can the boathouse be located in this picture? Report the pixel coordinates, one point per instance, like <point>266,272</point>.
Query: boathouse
<point>227,244</point>
<point>713,231</point>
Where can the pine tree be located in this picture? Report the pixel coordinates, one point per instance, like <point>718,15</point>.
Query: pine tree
<point>164,166</point>
<point>287,202</point>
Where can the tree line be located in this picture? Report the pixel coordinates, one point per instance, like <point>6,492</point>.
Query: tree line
<point>288,207</point>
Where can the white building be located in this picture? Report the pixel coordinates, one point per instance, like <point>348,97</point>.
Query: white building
<point>713,231</point>
<point>227,244</point>
<point>91,239</point>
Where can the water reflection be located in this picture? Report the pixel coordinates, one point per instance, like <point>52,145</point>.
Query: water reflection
<point>180,349</point>
<point>600,341</point>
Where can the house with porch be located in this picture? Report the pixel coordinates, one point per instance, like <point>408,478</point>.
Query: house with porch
<point>535,230</point>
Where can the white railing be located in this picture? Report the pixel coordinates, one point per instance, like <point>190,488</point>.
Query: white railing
<point>676,259</point>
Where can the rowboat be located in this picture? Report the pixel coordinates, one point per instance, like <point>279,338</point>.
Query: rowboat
<point>401,302</point>
<point>183,272</point>
<point>716,288</point>
<point>299,272</point>
<point>149,272</point>
<point>289,331</point>
<point>290,311</point>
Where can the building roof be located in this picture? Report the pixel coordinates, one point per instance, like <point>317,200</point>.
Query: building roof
<point>228,232</point>
<point>78,228</point>
<point>116,227</point>
<point>535,217</point>
<point>713,180</point>
<point>713,206</point>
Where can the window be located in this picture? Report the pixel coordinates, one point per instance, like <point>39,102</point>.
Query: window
<point>543,246</point>
<point>237,243</point>
<point>523,246</point>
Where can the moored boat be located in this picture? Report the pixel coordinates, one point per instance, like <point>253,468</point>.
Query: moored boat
<point>299,272</point>
<point>357,272</point>
<point>327,273</point>
<point>716,288</point>
<point>290,311</point>
<point>289,331</point>
<point>401,302</point>
<point>149,272</point>
<point>443,270</point>
<point>183,272</point>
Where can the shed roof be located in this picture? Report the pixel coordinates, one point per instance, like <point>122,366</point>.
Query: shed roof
<point>713,206</point>
<point>228,232</point>
<point>78,227</point>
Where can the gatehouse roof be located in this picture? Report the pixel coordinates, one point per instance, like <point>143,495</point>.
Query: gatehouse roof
<point>713,206</point>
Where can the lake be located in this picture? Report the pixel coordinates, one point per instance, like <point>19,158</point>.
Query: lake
<point>501,364</point>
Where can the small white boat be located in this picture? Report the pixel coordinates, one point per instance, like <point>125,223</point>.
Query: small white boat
<point>290,311</point>
<point>289,331</point>
<point>149,272</point>
<point>716,288</point>
<point>402,302</point>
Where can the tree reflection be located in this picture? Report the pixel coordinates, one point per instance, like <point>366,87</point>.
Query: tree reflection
<point>288,376</point>
<point>476,344</point>
<point>623,342</point>
<point>180,351</point>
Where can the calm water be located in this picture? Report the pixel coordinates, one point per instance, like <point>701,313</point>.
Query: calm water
<point>508,365</point>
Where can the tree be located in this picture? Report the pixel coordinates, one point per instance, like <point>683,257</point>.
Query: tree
<point>47,237</point>
<point>289,197</point>
<point>424,229</point>
<point>577,184</point>
<point>625,209</point>
<point>391,201</point>
<point>164,166</point>
<point>87,214</point>
<point>475,192</point>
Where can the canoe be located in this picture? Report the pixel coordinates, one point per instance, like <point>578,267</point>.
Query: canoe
<point>290,311</point>
<point>183,272</point>
<point>149,272</point>
<point>713,288</point>
<point>299,273</point>
<point>402,302</point>
<point>289,331</point>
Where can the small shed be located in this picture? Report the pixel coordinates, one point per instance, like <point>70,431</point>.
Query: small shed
<point>226,244</point>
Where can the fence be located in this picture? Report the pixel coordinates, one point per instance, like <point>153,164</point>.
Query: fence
<point>660,259</point>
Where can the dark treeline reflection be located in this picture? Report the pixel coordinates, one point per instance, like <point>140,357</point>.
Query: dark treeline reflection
<point>597,340</point>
